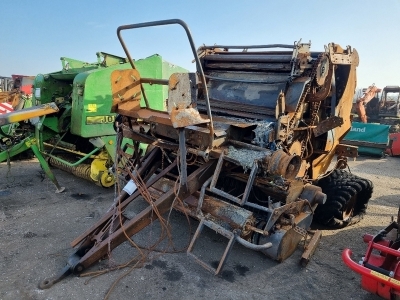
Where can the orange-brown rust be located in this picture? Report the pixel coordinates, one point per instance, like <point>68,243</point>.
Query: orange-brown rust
<point>126,91</point>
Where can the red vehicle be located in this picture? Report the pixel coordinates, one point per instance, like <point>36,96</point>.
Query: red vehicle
<point>380,266</point>
<point>394,149</point>
<point>24,83</point>
<point>14,89</point>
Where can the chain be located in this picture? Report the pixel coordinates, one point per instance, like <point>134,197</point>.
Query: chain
<point>314,111</point>
<point>162,160</point>
<point>301,101</point>
<point>314,106</point>
<point>307,89</point>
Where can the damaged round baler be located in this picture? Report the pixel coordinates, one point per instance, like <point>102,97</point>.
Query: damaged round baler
<point>240,147</point>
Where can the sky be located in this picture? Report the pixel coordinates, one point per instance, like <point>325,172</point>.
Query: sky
<point>35,34</point>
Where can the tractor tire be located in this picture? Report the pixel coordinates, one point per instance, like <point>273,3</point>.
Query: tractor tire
<point>347,199</point>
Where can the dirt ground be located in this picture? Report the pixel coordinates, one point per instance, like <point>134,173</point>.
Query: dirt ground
<point>37,225</point>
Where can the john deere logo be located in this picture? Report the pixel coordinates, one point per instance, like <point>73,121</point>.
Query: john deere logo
<point>91,120</point>
<point>357,129</point>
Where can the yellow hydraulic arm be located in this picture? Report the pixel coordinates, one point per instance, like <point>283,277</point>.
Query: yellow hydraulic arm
<point>28,113</point>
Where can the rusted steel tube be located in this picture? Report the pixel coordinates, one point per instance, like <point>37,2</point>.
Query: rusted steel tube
<point>259,207</point>
<point>249,46</point>
<point>258,66</point>
<point>197,152</point>
<point>201,197</point>
<point>223,231</point>
<point>244,81</point>
<point>230,216</point>
<point>253,246</point>
<point>196,57</point>
<point>154,81</point>
<point>248,146</point>
<point>249,58</point>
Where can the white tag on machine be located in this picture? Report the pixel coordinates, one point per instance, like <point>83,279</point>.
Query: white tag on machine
<point>130,187</point>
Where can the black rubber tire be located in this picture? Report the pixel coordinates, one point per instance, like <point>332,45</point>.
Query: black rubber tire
<point>347,199</point>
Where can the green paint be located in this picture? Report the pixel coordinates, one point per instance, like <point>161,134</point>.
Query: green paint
<point>91,94</point>
<point>82,91</point>
<point>14,150</point>
<point>155,67</point>
<point>45,166</point>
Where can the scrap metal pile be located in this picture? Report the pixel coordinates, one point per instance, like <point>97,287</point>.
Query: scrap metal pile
<point>241,148</point>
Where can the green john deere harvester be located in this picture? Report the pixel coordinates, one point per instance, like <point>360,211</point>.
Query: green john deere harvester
<point>70,125</point>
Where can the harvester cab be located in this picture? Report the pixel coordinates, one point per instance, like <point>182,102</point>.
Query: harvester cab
<point>389,106</point>
<point>243,146</point>
<point>366,104</point>
<point>380,106</point>
<point>23,83</point>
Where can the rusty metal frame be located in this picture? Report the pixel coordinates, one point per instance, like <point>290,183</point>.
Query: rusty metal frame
<point>310,248</point>
<point>232,236</point>
<point>192,46</point>
<point>221,193</point>
<point>282,220</point>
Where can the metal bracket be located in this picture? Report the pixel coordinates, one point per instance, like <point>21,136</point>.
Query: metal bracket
<point>327,124</point>
<point>182,98</point>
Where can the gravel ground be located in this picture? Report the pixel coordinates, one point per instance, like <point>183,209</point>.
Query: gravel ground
<point>37,225</point>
